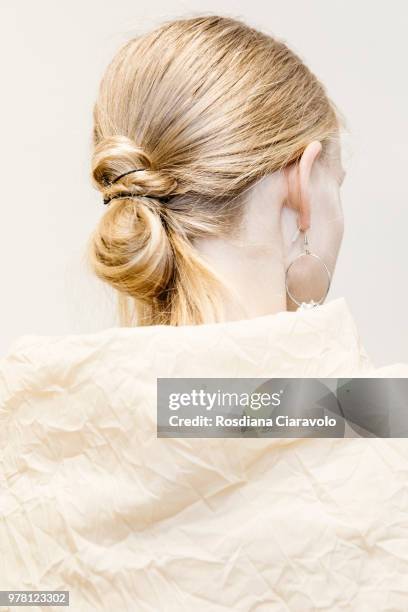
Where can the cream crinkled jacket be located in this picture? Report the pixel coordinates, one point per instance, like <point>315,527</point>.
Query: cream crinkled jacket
<point>92,502</point>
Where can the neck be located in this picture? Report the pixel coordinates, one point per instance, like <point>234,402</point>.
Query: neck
<point>251,261</point>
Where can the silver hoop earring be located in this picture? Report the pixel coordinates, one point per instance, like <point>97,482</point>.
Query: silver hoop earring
<point>307,253</point>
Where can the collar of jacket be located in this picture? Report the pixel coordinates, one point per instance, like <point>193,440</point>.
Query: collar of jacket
<point>317,342</point>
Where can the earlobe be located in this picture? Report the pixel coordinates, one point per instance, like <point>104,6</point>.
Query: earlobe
<point>292,187</point>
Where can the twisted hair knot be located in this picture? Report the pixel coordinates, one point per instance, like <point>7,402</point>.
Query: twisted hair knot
<point>121,168</point>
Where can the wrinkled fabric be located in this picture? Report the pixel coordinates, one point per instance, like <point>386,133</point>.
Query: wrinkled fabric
<point>92,502</point>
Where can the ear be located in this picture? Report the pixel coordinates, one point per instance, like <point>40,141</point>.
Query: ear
<point>298,178</point>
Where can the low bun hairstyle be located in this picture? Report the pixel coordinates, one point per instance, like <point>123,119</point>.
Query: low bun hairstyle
<point>188,117</point>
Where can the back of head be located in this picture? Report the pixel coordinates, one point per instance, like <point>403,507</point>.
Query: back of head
<point>188,117</point>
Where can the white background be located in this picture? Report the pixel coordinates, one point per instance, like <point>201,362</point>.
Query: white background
<point>53,55</point>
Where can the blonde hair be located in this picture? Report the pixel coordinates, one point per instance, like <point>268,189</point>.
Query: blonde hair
<point>202,108</point>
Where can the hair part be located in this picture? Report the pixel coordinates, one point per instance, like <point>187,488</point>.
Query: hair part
<point>202,108</point>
